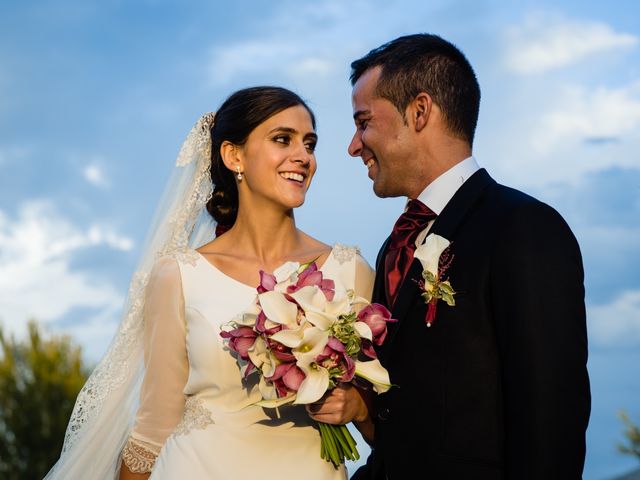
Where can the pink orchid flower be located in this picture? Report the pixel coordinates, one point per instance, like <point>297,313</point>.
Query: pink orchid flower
<point>287,378</point>
<point>366,347</point>
<point>311,276</point>
<point>335,356</point>
<point>241,339</point>
<point>376,317</point>
<point>267,282</point>
<point>280,351</point>
<point>261,326</point>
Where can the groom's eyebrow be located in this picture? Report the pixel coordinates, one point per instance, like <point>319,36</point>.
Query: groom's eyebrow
<point>359,113</point>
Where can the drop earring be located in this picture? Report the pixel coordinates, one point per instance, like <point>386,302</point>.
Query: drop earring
<point>239,175</point>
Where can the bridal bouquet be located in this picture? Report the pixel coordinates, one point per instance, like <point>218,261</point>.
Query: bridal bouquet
<point>302,338</point>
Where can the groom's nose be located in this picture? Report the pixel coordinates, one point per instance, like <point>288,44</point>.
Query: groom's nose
<point>355,147</point>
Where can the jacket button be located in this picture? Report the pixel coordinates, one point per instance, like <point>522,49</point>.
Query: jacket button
<point>384,414</point>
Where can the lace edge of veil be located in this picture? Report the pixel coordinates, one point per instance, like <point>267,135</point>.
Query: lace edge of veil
<point>123,360</point>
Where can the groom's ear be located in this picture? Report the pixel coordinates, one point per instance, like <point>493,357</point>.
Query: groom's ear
<point>420,110</point>
<point>230,155</point>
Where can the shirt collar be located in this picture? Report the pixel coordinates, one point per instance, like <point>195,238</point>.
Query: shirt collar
<point>442,189</point>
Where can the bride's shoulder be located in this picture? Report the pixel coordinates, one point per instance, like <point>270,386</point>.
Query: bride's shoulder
<point>346,253</point>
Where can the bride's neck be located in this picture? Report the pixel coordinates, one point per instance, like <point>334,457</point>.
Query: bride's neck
<point>266,234</point>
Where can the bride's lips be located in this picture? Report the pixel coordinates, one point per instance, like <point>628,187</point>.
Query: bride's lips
<point>294,177</point>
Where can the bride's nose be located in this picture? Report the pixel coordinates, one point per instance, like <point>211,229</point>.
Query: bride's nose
<point>302,156</point>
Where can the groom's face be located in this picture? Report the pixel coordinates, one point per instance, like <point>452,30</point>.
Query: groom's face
<point>382,138</point>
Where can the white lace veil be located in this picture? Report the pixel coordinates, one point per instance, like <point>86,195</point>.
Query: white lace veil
<point>103,414</point>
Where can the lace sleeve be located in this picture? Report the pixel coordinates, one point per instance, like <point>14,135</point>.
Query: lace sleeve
<point>139,457</point>
<point>166,367</point>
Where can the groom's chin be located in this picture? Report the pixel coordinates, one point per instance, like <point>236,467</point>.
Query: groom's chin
<point>381,192</point>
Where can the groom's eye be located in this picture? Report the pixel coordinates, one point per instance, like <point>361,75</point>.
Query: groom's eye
<point>362,123</point>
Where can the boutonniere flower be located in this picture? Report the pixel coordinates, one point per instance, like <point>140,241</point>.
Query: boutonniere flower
<point>435,257</point>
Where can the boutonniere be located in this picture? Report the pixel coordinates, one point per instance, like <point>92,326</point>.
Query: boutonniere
<point>435,257</point>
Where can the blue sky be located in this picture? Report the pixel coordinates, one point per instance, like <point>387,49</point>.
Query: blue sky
<point>96,97</point>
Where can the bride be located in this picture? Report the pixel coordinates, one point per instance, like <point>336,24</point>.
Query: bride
<point>167,401</point>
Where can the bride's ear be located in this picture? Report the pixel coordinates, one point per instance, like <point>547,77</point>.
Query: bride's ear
<point>231,156</point>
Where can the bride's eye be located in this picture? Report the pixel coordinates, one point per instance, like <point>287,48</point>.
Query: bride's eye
<point>310,146</point>
<point>282,139</point>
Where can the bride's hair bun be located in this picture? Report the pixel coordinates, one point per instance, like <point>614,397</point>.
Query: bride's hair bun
<point>223,205</point>
<point>236,118</point>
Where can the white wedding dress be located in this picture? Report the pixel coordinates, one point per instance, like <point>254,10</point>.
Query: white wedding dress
<point>196,412</point>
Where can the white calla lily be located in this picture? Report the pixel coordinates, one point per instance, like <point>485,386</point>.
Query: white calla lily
<point>318,310</point>
<point>320,319</point>
<point>270,397</point>
<point>363,330</point>
<point>316,381</point>
<point>429,252</point>
<point>313,386</point>
<point>278,309</point>
<point>248,318</point>
<point>262,357</point>
<point>310,298</point>
<point>286,272</point>
<point>340,305</point>
<point>373,371</point>
<point>291,338</point>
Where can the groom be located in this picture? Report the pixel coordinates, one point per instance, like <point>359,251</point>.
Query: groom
<point>496,385</point>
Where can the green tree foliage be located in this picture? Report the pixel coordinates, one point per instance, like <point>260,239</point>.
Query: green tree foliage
<point>632,434</point>
<point>39,380</point>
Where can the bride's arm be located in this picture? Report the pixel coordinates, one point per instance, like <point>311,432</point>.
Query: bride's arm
<point>166,371</point>
<point>125,474</point>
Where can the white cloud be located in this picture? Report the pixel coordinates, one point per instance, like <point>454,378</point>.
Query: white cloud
<point>581,114</point>
<point>313,42</point>
<point>545,43</point>
<point>36,276</point>
<point>548,134</point>
<point>230,61</point>
<point>616,324</point>
<point>95,174</point>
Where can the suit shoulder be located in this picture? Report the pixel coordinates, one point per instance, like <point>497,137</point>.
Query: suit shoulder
<point>522,219</point>
<point>520,207</point>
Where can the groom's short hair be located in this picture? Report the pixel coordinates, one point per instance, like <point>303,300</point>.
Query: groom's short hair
<point>426,63</point>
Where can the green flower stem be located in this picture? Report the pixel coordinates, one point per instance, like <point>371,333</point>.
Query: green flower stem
<point>337,444</point>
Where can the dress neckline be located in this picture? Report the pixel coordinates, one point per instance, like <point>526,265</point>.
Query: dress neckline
<point>235,280</point>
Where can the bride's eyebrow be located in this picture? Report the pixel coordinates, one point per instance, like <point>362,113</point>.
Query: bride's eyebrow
<point>291,131</point>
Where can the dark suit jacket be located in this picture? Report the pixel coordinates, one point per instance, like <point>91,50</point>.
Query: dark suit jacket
<point>497,387</point>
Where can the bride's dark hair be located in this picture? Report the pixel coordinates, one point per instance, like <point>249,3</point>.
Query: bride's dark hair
<point>236,118</point>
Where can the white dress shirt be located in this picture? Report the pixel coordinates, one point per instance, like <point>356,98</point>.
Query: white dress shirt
<point>442,189</point>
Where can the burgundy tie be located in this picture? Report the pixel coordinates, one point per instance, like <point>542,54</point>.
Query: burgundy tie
<point>402,245</point>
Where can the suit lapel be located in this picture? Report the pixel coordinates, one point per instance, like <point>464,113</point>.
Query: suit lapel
<point>379,294</point>
<point>460,204</point>
<point>445,225</point>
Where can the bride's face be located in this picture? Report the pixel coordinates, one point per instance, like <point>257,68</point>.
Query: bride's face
<point>278,159</point>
